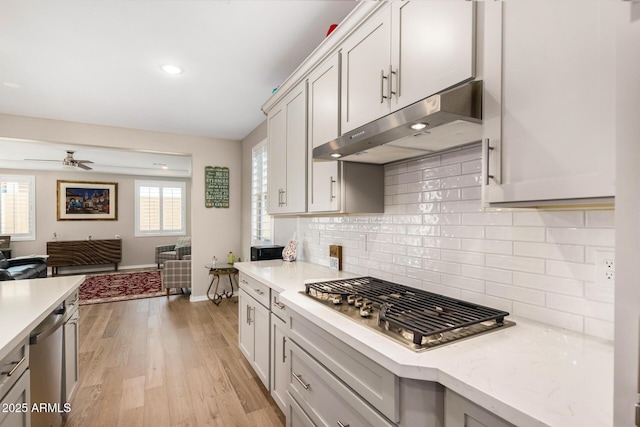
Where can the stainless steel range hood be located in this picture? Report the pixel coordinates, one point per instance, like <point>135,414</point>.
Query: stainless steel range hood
<point>450,118</point>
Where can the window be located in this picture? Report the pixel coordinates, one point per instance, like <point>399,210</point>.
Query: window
<point>260,220</point>
<point>18,206</point>
<point>160,208</point>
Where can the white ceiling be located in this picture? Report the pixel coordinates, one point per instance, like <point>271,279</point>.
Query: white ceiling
<point>98,61</point>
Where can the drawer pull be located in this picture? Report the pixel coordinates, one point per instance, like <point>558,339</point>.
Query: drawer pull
<point>342,425</point>
<point>259,292</point>
<point>244,281</point>
<point>279,305</point>
<point>305,386</point>
<point>13,371</point>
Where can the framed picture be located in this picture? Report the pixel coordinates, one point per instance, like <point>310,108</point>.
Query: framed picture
<point>86,200</point>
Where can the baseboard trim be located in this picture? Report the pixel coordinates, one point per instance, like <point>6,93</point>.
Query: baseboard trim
<point>193,298</point>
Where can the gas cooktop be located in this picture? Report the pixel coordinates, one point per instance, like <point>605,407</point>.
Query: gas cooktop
<point>418,319</point>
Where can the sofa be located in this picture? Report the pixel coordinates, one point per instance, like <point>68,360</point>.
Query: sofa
<point>22,268</point>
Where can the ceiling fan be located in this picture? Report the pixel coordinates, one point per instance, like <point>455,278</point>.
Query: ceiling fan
<point>68,161</point>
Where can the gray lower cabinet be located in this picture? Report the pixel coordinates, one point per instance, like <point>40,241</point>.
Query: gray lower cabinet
<point>15,399</point>
<point>70,373</point>
<point>279,354</point>
<point>253,334</point>
<point>324,398</point>
<point>460,412</point>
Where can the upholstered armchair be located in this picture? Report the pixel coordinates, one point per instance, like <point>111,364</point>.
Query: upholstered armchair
<point>177,274</point>
<point>173,252</point>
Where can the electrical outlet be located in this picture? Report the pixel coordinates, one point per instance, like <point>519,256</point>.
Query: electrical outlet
<point>605,268</point>
<point>334,263</point>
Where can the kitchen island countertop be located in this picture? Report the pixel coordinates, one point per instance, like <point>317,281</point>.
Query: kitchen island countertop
<point>26,303</point>
<point>531,374</point>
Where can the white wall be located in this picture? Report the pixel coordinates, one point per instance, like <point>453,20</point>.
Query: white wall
<point>435,235</point>
<point>214,231</point>
<point>136,251</point>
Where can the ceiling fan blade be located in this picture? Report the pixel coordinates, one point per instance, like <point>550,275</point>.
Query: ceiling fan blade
<point>41,160</point>
<point>83,161</point>
<point>83,166</point>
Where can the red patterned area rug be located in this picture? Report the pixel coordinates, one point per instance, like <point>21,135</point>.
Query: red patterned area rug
<point>110,287</point>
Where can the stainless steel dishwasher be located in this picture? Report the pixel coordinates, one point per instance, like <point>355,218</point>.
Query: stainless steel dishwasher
<point>45,364</point>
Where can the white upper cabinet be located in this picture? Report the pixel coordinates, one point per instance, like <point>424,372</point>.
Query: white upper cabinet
<point>549,110</point>
<point>324,126</point>
<point>433,48</point>
<point>336,186</point>
<point>404,53</point>
<point>287,140</point>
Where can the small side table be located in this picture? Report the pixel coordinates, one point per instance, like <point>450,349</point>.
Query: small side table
<point>215,271</point>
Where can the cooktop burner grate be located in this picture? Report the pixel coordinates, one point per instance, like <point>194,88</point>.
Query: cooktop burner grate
<point>421,317</point>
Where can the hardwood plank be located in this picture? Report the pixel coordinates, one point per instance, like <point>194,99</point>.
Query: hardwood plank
<point>166,362</point>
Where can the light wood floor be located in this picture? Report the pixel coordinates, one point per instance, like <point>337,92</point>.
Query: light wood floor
<point>166,362</point>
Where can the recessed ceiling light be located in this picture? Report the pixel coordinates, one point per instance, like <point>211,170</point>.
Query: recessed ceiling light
<point>171,69</point>
<point>418,126</point>
<point>12,85</point>
<point>336,155</point>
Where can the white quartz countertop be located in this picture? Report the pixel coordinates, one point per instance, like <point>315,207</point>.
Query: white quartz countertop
<point>26,303</point>
<point>530,374</point>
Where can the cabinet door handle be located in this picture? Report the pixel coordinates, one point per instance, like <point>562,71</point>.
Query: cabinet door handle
<point>396,73</point>
<point>13,371</point>
<point>488,149</point>
<point>284,350</point>
<point>341,425</point>
<point>382,79</point>
<point>299,378</point>
<point>332,184</point>
<point>248,314</point>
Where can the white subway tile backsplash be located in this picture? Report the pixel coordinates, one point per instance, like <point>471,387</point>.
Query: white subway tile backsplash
<point>432,184</point>
<point>473,166</point>
<point>582,236</point>
<point>462,231</point>
<point>599,293</point>
<point>556,285</point>
<point>502,247</point>
<point>594,309</point>
<point>463,283</point>
<point>444,219</point>
<point>441,195</point>
<point>481,218</point>
<point>441,242</point>
<point>515,293</point>
<point>549,219</point>
<point>524,234</point>
<point>461,206</point>
<point>486,273</point>
<point>437,235</point>
<point>459,257</point>
<point>601,218</point>
<point>423,230</point>
<point>559,318</point>
<point>471,193</point>
<point>550,251</point>
<point>570,270</point>
<point>508,262</point>
<point>439,172</point>
<point>472,180</point>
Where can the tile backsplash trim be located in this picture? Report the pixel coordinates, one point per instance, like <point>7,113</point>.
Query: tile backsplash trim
<point>436,235</point>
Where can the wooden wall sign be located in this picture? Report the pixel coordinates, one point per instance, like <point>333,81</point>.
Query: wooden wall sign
<point>216,187</point>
